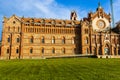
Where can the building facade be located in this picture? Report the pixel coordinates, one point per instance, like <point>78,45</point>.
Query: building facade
<point>28,38</point>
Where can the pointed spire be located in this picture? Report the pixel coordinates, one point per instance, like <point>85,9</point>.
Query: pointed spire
<point>99,5</point>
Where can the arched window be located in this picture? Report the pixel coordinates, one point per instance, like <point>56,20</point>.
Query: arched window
<point>42,50</point>
<point>53,50</point>
<point>17,51</point>
<point>31,39</point>
<point>31,50</point>
<point>53,40</point>
<point>42,40</point>
<point>63,40</point>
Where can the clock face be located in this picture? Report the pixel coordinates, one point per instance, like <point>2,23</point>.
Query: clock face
<point>100,24</point>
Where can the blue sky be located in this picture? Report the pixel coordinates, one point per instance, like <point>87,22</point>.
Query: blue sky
<point>54,8</point>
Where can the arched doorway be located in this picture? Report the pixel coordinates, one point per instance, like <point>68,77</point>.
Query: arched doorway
<point>107,50</point>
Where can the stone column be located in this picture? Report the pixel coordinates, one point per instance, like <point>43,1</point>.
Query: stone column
<point>111,50</point>
<point>102,50</point>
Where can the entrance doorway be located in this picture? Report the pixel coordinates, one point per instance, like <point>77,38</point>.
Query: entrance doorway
<point>107,50</point>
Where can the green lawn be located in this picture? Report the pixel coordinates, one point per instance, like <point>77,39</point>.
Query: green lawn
<point>60,69</point>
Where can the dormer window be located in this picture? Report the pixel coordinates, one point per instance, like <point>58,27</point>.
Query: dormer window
<point>53,22</point>
<point>63,22</point>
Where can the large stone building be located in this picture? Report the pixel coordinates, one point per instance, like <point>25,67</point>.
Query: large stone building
<point>41,38</point>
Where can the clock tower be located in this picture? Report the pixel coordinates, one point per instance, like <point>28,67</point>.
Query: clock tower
<point>100,20</point>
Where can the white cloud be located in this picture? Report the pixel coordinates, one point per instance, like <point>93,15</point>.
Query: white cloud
<point>41,8</point>
<point>37,8</point>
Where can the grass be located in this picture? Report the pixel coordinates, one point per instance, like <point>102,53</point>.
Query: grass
<point>60,69</point>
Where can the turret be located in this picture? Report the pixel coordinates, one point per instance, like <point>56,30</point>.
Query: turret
<point>73,15</point>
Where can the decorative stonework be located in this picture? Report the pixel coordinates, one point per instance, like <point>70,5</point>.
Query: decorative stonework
<point>41,38</point>
<point>101,24</point>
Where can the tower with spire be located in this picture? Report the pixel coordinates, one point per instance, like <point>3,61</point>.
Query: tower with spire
<point>73,15</point>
